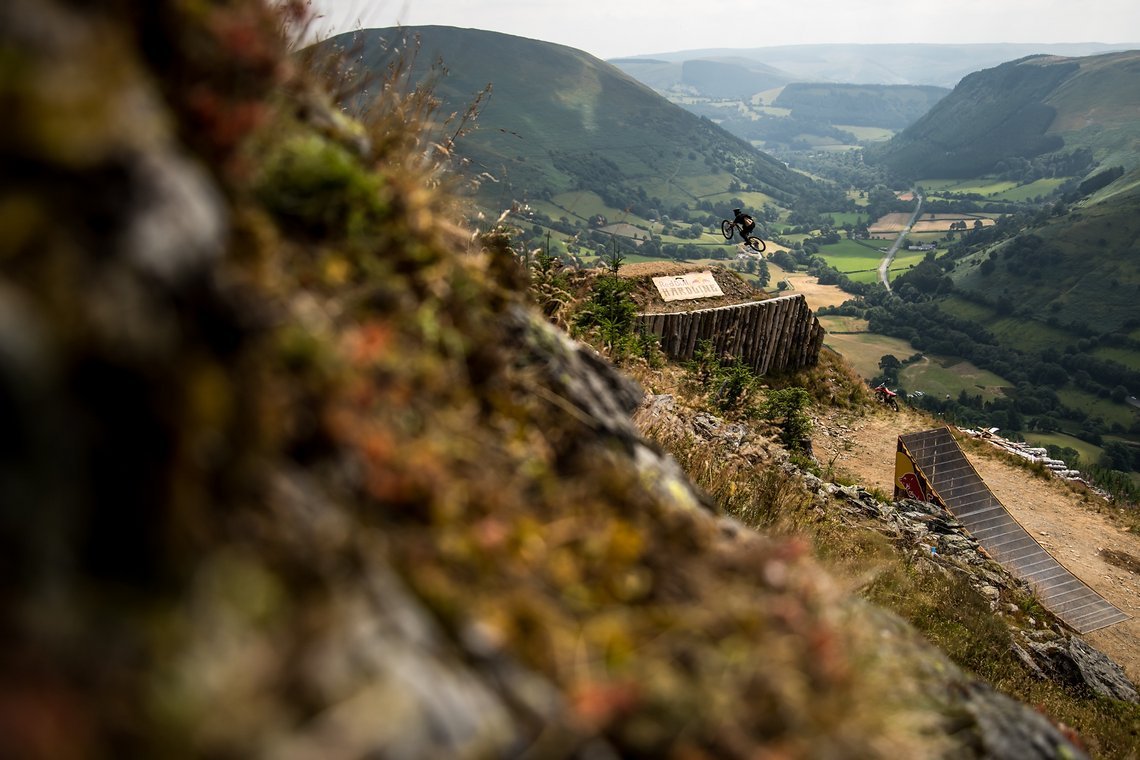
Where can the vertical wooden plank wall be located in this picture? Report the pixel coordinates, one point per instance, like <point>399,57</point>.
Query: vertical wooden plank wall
<point>770,336</point>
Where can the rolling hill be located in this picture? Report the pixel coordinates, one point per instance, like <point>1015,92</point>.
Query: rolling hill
<point>867,105</point>
<point>1025,109</point>
<point>1046,299</point>
<point>709,77</point>
<point>1077,272</point>
<point>560,120</point>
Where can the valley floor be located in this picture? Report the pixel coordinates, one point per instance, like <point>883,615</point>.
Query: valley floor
<point>1062,518</point>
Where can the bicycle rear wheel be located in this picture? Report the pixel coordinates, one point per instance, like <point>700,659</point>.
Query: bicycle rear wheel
<point>727,228</point>
<point>756,244</point>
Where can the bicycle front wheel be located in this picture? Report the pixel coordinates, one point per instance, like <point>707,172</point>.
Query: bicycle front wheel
<point>726,229</point>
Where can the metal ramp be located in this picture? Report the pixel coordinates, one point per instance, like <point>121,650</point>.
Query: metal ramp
<point>941,473</point>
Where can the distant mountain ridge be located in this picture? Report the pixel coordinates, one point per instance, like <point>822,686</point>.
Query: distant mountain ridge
<point>721,77</point>
<point>941,65</point>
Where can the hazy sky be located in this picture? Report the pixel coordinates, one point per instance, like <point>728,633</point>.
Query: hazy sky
<point>614,28</point>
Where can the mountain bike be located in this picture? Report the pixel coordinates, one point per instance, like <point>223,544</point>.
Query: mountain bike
<point>728,228</point>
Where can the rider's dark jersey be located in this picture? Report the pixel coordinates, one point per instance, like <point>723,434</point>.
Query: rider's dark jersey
<point>746,222</point>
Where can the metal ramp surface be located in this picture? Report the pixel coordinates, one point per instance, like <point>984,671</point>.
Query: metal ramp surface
<point>951,480</point>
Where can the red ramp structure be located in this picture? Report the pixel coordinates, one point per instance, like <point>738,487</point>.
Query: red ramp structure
<point>930,466</point>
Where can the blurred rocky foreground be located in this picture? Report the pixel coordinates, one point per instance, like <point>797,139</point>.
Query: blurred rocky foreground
<point>288,469</point>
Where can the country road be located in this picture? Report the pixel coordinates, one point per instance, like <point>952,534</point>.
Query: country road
<point>885,264</point>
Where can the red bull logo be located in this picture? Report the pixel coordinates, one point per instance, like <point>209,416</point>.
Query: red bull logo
<point>907,482</point>
<point>912,486</point>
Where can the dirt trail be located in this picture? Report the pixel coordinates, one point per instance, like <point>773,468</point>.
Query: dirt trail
<point>1053,513</point>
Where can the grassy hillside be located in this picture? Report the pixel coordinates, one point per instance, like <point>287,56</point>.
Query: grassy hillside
<point>659,74</point>
<point>559,120</point>
<point>1097,110</point>
<point>1022,110</point>
<point>731,78</point>
<point>1047,300</point>
<point>1079,271</point>
<point>891,107</point>
<point>990,116</point>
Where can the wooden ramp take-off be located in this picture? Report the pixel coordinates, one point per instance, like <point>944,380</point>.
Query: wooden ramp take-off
<point>930,466</point>
<point>776,335</point>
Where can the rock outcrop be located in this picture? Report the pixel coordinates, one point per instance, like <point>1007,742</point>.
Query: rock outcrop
<point>289,472</point>
<point>983,722</point>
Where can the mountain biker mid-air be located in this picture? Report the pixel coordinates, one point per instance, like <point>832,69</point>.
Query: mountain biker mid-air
<point>747,223</point>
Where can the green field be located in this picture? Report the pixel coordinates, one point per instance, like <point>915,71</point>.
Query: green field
<point>871,275</point>
<point>1125,356</point>
<point>838,324</point>
<point>1031,335</point>
<point>849,256</point>
<point>864,350</point>
<point>579,203</point>
<point>1027,192</point>
<point>711,187</point>
<point>1024,334</point>
<point>960,307</point>
<point>1027,334</point>
<point>1090,453</point>
<point>841,218</point>
<point>867,134</point>
<point>979,186</point>
<point>942,376</point>
<point>924,237</point>
<point>904,260</point>
<point>634,258</point>
<point>933,375</point>
<point>1096,406</point>
<point>990,188</point>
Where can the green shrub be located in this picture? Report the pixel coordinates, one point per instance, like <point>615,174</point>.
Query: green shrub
<point>729,385</point>
<point>610,313</point>
<point>787,408</point>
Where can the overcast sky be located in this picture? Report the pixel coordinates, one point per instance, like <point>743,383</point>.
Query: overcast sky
<point>615,28</point>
